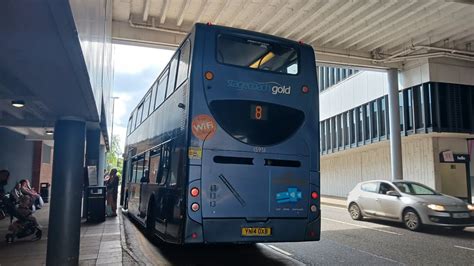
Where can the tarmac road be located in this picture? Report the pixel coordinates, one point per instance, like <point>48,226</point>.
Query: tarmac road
<point>343,241</point>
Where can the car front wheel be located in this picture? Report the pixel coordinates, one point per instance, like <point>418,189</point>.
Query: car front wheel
<point>412,220</point>
<point>355,212</point>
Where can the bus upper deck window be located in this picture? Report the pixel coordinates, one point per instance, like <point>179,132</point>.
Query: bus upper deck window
<point>254,54</point>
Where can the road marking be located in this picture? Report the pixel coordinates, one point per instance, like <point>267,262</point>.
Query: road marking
<point>362,226</point>
<point>280,250</point>
<point>461,247</point>
<point>334,207</point>
<point>366,252</point>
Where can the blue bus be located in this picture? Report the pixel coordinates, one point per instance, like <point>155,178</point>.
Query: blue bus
<point>224,147</point>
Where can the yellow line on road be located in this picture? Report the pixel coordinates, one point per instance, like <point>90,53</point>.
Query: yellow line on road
<point>362,226</point>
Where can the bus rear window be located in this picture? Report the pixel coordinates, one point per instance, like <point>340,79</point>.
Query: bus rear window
<point>254,54</point>
<point>257,123</point>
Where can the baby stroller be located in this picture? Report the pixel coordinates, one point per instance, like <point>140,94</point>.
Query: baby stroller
<point>24,226</point>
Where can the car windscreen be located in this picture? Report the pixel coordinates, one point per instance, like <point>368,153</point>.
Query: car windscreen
<point>255,54</point>
<point>414,189</point>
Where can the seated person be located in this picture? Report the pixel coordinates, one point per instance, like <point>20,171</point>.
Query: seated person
<point>16,193</point>
<point>27,190</point>
<point>24,215</point>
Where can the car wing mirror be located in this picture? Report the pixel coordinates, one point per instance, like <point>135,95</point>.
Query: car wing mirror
<point>393,193</point>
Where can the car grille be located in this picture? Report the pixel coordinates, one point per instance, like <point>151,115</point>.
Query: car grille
<point>449,220</point>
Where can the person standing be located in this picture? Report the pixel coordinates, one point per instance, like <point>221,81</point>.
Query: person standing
<point>112,182</point>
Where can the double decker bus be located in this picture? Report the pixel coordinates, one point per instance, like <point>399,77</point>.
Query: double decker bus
<point>224,147</point>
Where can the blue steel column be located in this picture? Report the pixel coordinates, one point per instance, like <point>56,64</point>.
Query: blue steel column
<point>67,181</point>
<point>394,118</point>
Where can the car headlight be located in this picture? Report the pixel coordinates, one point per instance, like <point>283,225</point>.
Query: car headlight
<point>470,207</point>
<point>436,207</point>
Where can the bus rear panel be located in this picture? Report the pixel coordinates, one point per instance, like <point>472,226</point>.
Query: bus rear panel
<point>253,150</point>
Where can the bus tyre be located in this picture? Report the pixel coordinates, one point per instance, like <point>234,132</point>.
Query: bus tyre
<point>355,212</point>
<point>412,220</point>
<point>150,219</point>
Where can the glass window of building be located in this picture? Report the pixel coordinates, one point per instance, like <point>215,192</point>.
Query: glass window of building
<point>418,106</point>
<point>345,121</point>
<point>328,134</point>
<point>322,132</point>
<point>374,115</point>
<point>402,114</point>
<point>367,122</point>
<point>428,99</point>
<point>383,116</point>
<point>333,133</point>
<point>360,123</point>
<point>352,125</point>
<point>409,103</point>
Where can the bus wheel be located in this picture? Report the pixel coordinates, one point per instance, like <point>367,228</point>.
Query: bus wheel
<point>150,219</point>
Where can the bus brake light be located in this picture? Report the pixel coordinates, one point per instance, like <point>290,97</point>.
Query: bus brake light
<point>314,195</point>
<point>194,192</point>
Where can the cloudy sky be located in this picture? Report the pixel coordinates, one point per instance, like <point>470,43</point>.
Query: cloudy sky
<point>135,69</point>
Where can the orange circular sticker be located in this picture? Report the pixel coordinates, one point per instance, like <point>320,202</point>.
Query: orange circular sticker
<point>204,127</point>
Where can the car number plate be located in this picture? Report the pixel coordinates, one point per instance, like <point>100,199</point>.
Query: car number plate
<point>461,215</point>
<point>256,231</point>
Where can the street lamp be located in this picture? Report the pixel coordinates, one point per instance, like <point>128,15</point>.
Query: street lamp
<point>113,110</point>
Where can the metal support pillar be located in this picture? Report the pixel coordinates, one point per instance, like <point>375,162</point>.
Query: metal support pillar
<point>394,118</point>
<point>102,166</point>
<point>67,182</point>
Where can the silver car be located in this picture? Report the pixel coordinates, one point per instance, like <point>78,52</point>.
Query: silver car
<point>412,203</point>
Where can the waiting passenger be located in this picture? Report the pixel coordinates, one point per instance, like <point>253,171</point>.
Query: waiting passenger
<point>112,183</point>
<point>26,189</point>
<point>4,175</point>
<point>16,193</point>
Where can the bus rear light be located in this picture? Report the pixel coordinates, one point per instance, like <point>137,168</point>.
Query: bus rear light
<point>195,207</point>
<point>194,192</point>
<point>209,75</point>
<point>314,208</point>
<point>194,235</point>
<point>314,195</point>
<point>312,234</point>
<point>305,89</point>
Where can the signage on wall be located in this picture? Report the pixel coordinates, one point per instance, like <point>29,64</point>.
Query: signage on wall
<point>450,157</point>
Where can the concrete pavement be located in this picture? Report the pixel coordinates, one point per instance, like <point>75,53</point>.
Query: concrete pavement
<point>101,244</point>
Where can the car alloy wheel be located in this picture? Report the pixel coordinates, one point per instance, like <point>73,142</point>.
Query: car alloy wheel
<point>354,211</point>
<point>412,220</point>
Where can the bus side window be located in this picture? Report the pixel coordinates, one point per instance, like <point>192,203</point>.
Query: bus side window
<point>160,96</point>
<point>154,91</point>
<point>175,167</point>
<point>140,170</point>
<point>172,77</point>
<point>154,166</point>
<point>183,63</point>
<point>133,172</point>
<point>165,164</point>
<point>146,106</point>
<point>146,174</point>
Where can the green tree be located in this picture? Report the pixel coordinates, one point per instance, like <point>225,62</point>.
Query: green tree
<point>114,155</point>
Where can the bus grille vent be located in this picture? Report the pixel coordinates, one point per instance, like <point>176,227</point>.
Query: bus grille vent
<point>233,160</point>
<point>282,163</point>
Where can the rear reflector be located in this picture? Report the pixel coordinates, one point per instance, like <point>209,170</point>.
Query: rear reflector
<point>314,195</point>
<point>314,208</point>
<point>195,207</point>
<point>305,89</point>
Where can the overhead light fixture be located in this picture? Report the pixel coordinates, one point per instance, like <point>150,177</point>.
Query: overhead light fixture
<point>18,103</point>
<point>49,132</point>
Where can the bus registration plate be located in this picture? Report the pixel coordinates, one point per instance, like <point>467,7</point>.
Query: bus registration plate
<point>256,231</point>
